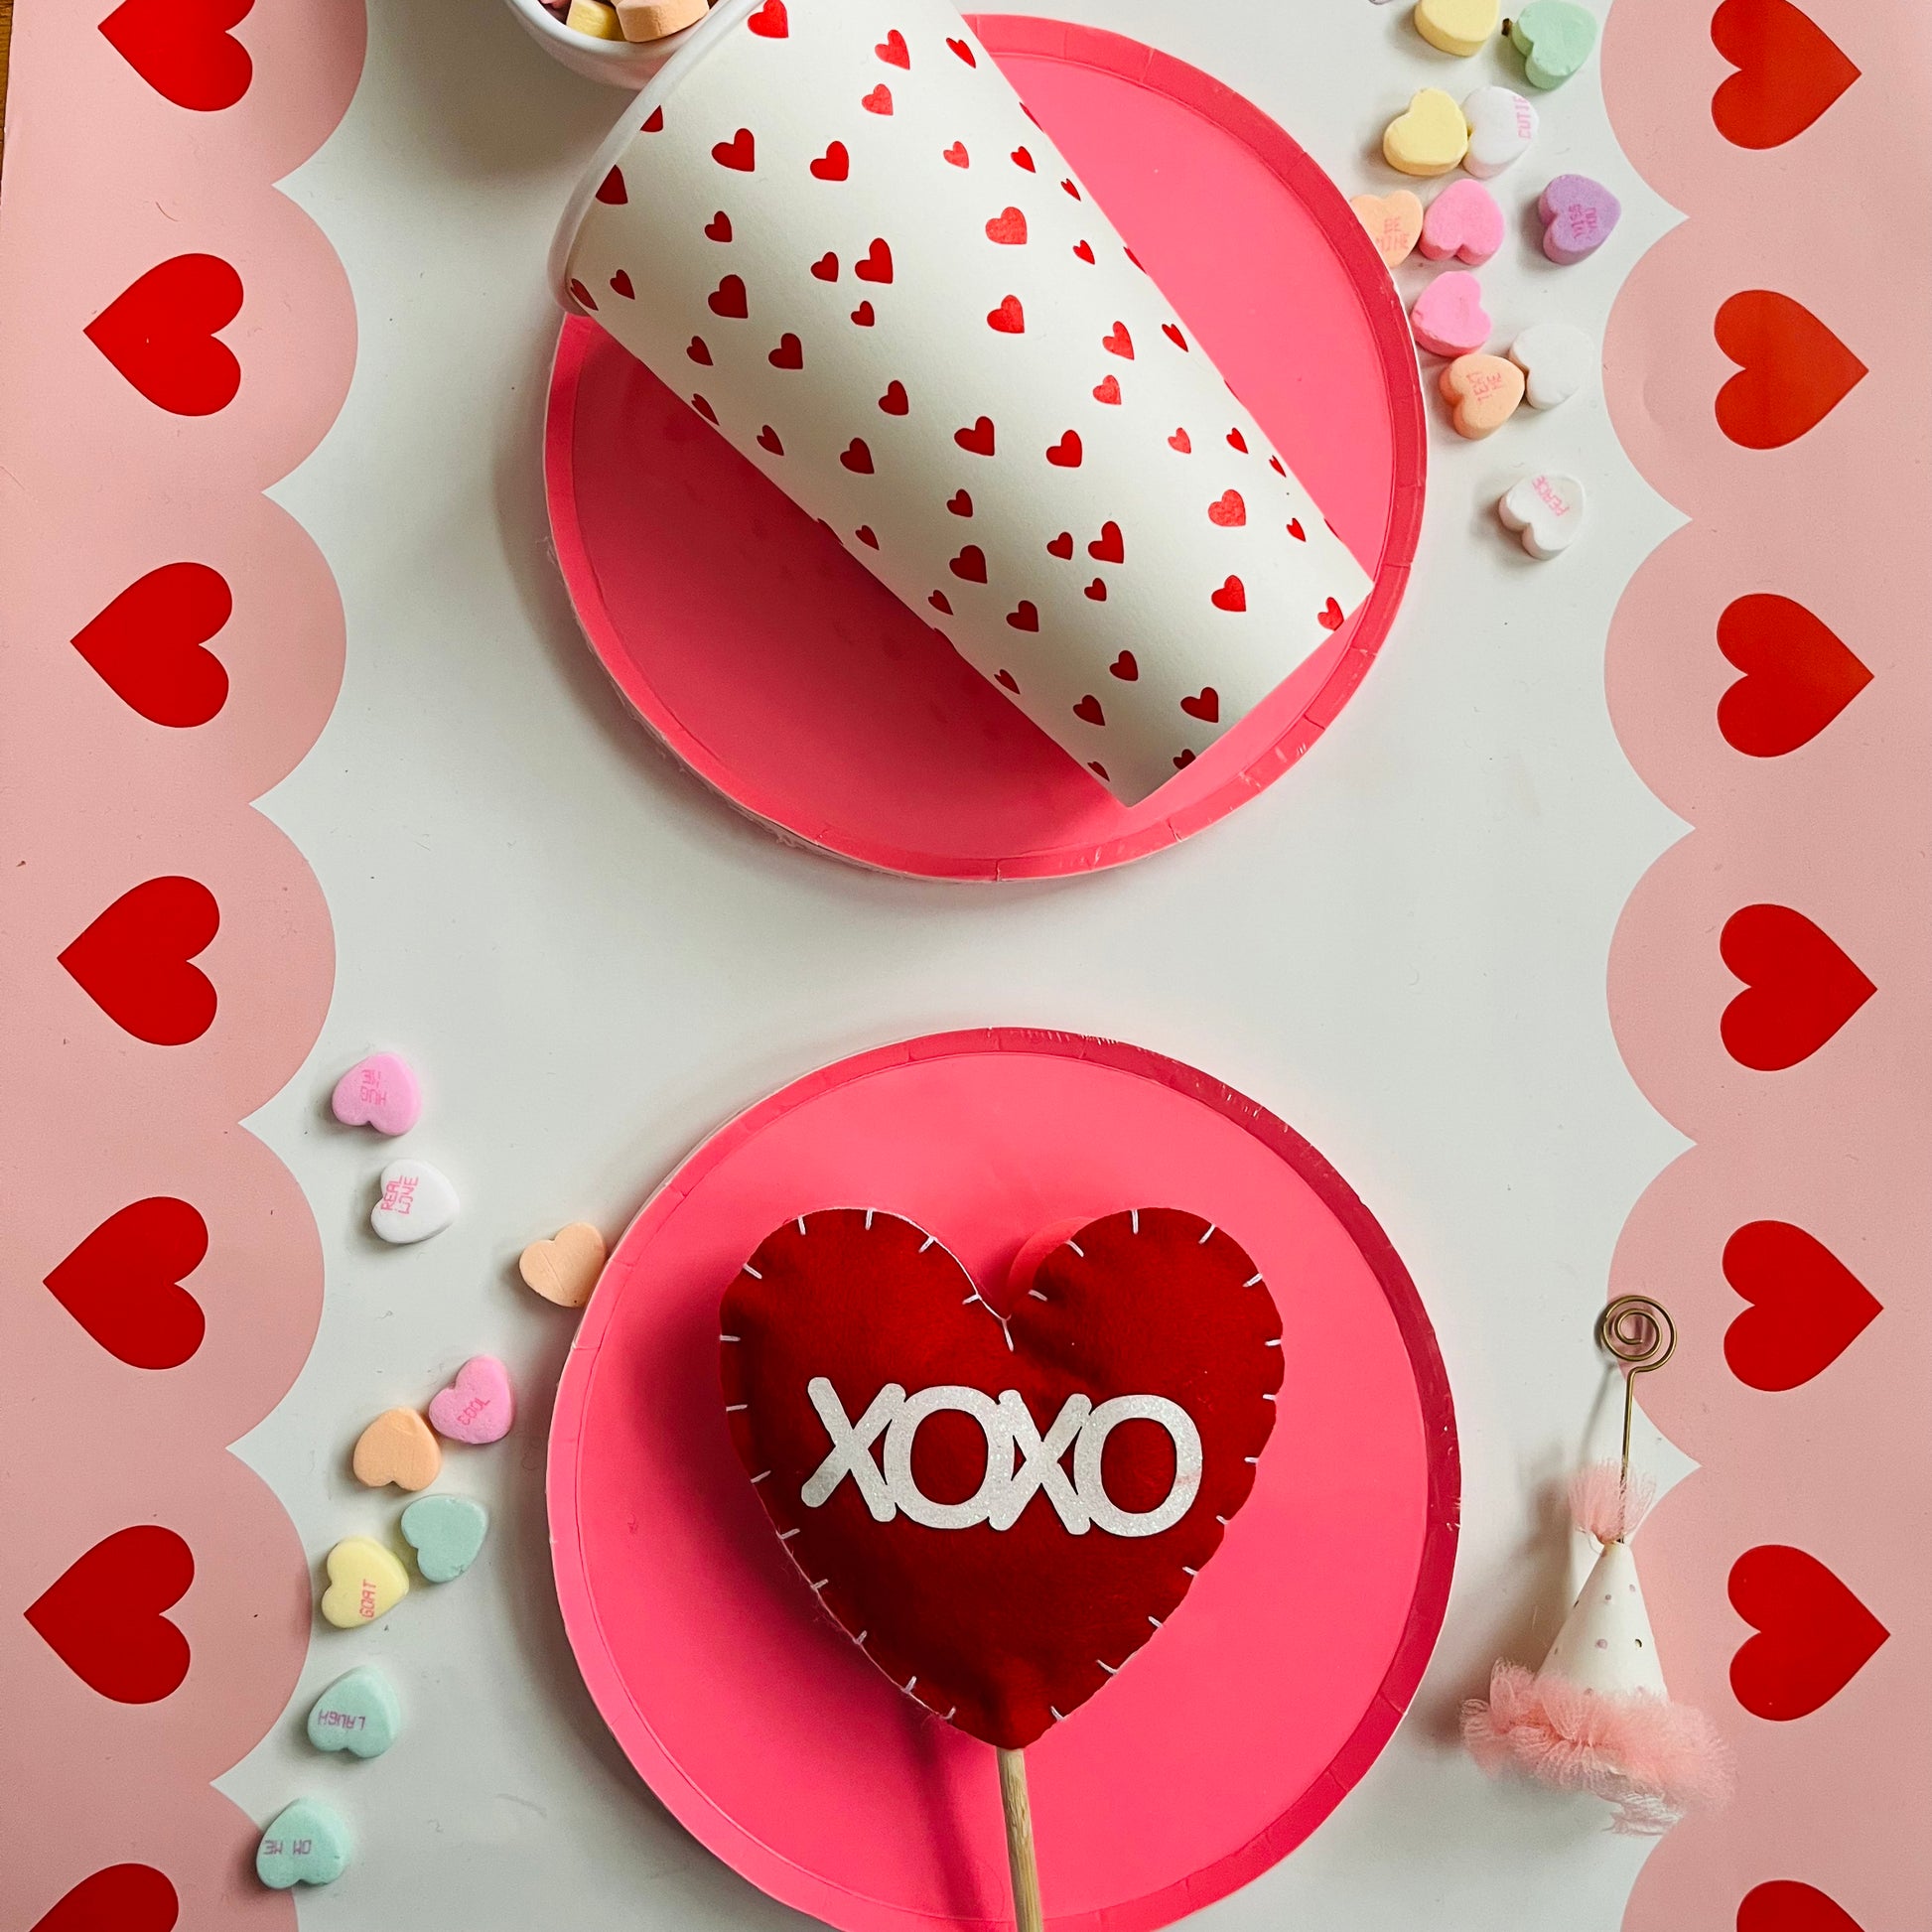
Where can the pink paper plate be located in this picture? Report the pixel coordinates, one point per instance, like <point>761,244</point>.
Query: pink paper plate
<point>790,679</point>
<point>1241,1725</point>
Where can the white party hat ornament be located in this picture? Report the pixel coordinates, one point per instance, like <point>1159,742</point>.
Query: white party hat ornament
<point>1597,1715</point>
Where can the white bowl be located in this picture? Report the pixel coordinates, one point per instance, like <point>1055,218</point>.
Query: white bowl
<point>618,64</point>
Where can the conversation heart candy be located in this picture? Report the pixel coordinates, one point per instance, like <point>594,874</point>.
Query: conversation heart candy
<point>565,1268</point>
<point>1557,359</point>
<point>378,1092</point>
<point>416,1201</point>
<point>1448,317</point>
<point>1463,224</point>
<point>477,1405</point>
<point>306,1844</point>
<point>1545,511</point>
<point>1579,215</point>
<point>1430,138</point>
<point>1555,37</point>
<point>446,1532</point>
<point>1483,392</point>
<point>396,1448</point>
<point>358,1712</point>
<point>1503,127</point>
<point>1457,26</point>
<point>365,1581</point>
<point>1393,222</point>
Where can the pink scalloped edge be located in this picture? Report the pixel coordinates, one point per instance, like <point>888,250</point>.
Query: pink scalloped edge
<point>107,178</point>
<point>1830,1794</point>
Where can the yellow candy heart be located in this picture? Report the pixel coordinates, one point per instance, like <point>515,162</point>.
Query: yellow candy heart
<point>1483,392</point>
<point>365,1581</point>
<point>1457,26</point>
<point>1429,139</point>
<point>1393,222</point>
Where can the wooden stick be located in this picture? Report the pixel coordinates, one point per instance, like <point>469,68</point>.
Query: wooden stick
<point>1020,1840</point>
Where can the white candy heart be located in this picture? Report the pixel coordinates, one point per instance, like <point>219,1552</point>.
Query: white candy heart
<point>417,1202</point>
<point>1547,510</point>
<point>1557,359</point>
<point>1503,124</point>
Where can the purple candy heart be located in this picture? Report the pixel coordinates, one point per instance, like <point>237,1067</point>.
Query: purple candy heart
<point>1579,215</point>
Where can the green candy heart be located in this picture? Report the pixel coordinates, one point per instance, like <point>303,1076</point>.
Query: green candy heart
<point>446,1532</point>
<point>358,1713</point>
<point>306,1845</point>
<point>1555,37</point>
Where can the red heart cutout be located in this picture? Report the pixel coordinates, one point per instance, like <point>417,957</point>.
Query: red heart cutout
<point>621,285</point>
<point>768,439</point>
<point>1173,333</point>
<point>1236,441</point>
<point>826,268</point>
<point>1067,188</point>
<point>1007,228</point>
<point>104,1616</point>
<point>1296,531</point>
<point>964,52</point>
<point>147,643</point>
<point>894,401</point>
<point>1026,617</point>
<point>1088,711</point>
<point>1789,71</point>
<point>122,1283</point>
<point>116,1899</point>
<point>1108,547</point>
<point>135,960</point>
<point>879,102</point>
<point>1208,707</point>
<point>1009,681</point>
<point>1182,441</point>
<point>970,565</point>
<point>958,156</point>
<point>1009,319</point>
<point>856,457</point>
<point>1792,370</point>
<point>704,409</point>
<point>834,165</point>
<point>719,227</point>
<point>939,602</point>
<point>1119,341</point>
<point>866,536</point>
<point>1146,1311</point>
<point>1183,759</point>
<point>892,50</point>
<point>1232,596</point>
<point>1807,1307</point>
<point>610,189</point>
<point>728,300</point>
<point>960,504</point>
<point>977,441</point>
<point>1274,463</point>
<point>1107,390</point>
<point>1021,158</point>
<point>878,264</point>
<point>789,354</point>
<point>863,314</point>
<point>653,121</point>
<point>184,51</point>
<point>1061,546</point>
<point>699,351</point>
<point>1084,249</point>
<point>771,22</point>
<point>1229,511</point>
<point>1066,452</point>
<point>582,294</point>
<point>160,332</point>
<point>1813,1635</point>
<point>738,152</point>
<point>1800,988</point>
<point>1126,667</point>
<point>1330,616</point>
<point>1097,591</point>
<point>1798,675</point>
<point>1791,1905</point>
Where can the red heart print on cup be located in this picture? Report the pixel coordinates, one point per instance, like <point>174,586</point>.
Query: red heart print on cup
<point>1009,318</point>
<point>135,961</point>
<point>1067,452</point>
<point>1207,706</point>
<point>834,164</point>
<point>895,402</point>
<point>977,440</point>
<point>877,265</point>
<point>739,153</point>
<point>893,51</point>
<point>123,1282</point>
<point>184,51</point>
<point>1228,510</point>
<point>856,457</point>
<point>879,102</point>
<point>1007,228</point>
<point>1813,1633</point>
<point>1791,1905</point>
<point>1088,711</point>
<point>1807,1307</point>
<point>1798,675</point>
<point>1232,596</point>
<point>104,1616</point>
<point>1800,988</point>
<point>1142,1356</point>
<point>1107,390</point>
<point>148,645</point>
<point>117,1898</point>
<point>719,227</point>
<point>1109,547</point>
<point>1789,71</point>
<point>790,354</point>
<point>162,333</point>
<point>970,565</point>
<point>1024,616</point>
<point>771,22</point>
<point>728,299</point>
<point>1117,341</point>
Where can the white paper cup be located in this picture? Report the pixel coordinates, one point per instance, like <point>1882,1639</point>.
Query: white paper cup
<point>832,227</point>
<point>618,64</point>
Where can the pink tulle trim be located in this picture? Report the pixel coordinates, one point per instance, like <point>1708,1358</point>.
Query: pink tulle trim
<point>1606,1505</point>
<point>1652,1759</point>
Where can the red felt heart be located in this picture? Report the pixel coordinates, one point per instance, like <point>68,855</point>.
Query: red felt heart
<point>1330,616</point>
<point>719,227</point>
<point>834,164</point>
<point>135,960</point>
<point>1107,389</point>
<point>1126,667</point>
<point>147,643</point>
<point>978,440</point>
<point>122,1283</point>
<point>878,100</point>
<point>1109,547</point>
<point>1182,441</point>
<point>1791,1905</point>
<point>1088,711</point>
<point>1228,510</point>
<point>1066,452</point>
<point>104,1616</point>
<point>728,299</point>
<point>1007,228</point>
<point>789,354</point>
<point>1232,596</point>
<point>1207,706</point>
<point>960,504</point>
<point>894,401</point>
<point>1792,370</point>
<point>1807,1307</point>
<point>160,333</point>
<point>610,189</point>
<point>877,266</point>
<point>970,565</point>
<point>1002,1631</point>
<point>1813,1635</point>
<point>621,285</point>
<point>892,50</point>
<point>184,51</point>
<point>1789,71</point>
<point>1798,675</point>
<point>116,1899</point>
<point>1009,319</point>
<point>1025,617</point>
<point>771,22</point>
<point>1800,988</point>
<point>1118,342</point>
<point>739,153</point>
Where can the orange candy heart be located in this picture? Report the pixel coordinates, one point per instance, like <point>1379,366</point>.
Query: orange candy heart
<point>397,1448</point>
<point>1483,392</point>
<point>1393,222</point>
<point>565,1268</point>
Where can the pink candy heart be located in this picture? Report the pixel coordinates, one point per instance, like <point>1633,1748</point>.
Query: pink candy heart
<point>477,1405</point>
<point>1463,221</point>
<point>1579,213</point>
<point>378,1092</point>
<point>1448,317</point>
